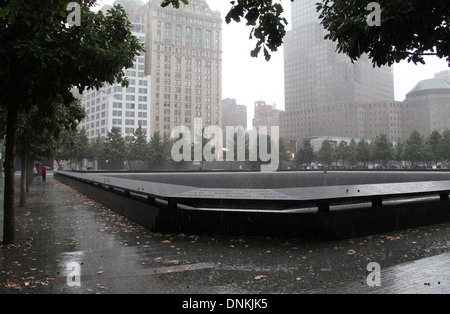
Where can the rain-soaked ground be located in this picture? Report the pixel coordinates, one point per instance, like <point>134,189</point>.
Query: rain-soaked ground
<point>70,244</point>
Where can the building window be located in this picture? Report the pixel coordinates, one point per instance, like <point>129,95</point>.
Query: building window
<point>168,33</point>
<point>208,39</point>
<point>178,36</point>
<point>217,40</point>
<point>188,36</point>
<point>198,38</point>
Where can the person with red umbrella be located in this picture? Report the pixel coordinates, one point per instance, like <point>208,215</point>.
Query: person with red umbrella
<point>44,173</point>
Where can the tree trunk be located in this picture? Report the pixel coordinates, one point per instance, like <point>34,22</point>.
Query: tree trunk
<point>9,219</point>
<point>24,171</point>
<point>30,175</point>
<point>23,181</point>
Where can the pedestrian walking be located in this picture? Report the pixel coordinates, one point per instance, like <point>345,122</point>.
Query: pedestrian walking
<point>44,173</point>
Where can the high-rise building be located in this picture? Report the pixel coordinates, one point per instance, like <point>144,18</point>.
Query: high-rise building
<point>427,107</point>
<point>266,116</point>
<point>184,60</point>
<point>324,90</point>
<point>233,115</point>
<point>125,108</point>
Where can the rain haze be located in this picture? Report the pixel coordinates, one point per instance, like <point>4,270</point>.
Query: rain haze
<point>249,79</point>
<point>156,189</point>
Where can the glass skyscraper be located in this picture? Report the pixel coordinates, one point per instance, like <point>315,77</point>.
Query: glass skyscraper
<point>325,93</point>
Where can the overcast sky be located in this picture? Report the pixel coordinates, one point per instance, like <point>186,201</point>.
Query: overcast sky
<point>250,79</point>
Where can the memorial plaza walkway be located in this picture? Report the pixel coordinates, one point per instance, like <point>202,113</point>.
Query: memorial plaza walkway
<point>69,244</point>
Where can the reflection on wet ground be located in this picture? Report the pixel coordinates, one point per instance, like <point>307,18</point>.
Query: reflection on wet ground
<point>60,227</point>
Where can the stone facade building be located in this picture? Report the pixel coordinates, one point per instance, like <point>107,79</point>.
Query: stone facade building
<point>232,115</point>
<point>184,60</point>
<point>177,79</point>
<point>266,116</point>
<point>427,107</point>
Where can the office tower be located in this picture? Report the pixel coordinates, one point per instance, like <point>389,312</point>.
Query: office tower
<point>184,60</point>
<point>265,116</point>
<point>324,90</point>
<point>125,108</point>
<point>427,107</point>
<point>233,114</point>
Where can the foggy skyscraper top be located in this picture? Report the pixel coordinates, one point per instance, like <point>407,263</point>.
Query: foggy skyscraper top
<point>323,88</point>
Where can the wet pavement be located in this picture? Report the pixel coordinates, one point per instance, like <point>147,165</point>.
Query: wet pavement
<point>68,244</point>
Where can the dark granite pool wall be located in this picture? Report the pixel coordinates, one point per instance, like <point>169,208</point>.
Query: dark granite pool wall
<point>340,224</point>
<point>135,210</point>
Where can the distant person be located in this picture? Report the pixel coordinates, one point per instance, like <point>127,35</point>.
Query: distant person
<point>44,174</point>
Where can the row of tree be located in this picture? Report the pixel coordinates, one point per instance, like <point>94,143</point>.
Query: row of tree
<point>42,58</point>
<point>75,146</point>
<point>416,149</point>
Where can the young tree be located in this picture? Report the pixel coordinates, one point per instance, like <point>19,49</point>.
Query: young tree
<point>399,151</point>
<point>115,145</point>
<point>444,146</point>
<point>306,154</point>
<point>73,146</point>
<point>167,144</point>
<point>42,58</point>
<point>352,152</point>
<point>326,153</point>
<point>156,150</point>
<point>80,146</point>
<point>363,152</point>
<point>342,151</point>
<point>139,146</point>
<point>283,151</point>
<point>415,147</point>
<point>382,149</point>
<point>433,142</point>
<point>96,150</point>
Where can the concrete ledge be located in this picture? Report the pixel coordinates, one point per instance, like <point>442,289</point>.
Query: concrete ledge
<point>267,198</point>
<point>278,180</point>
